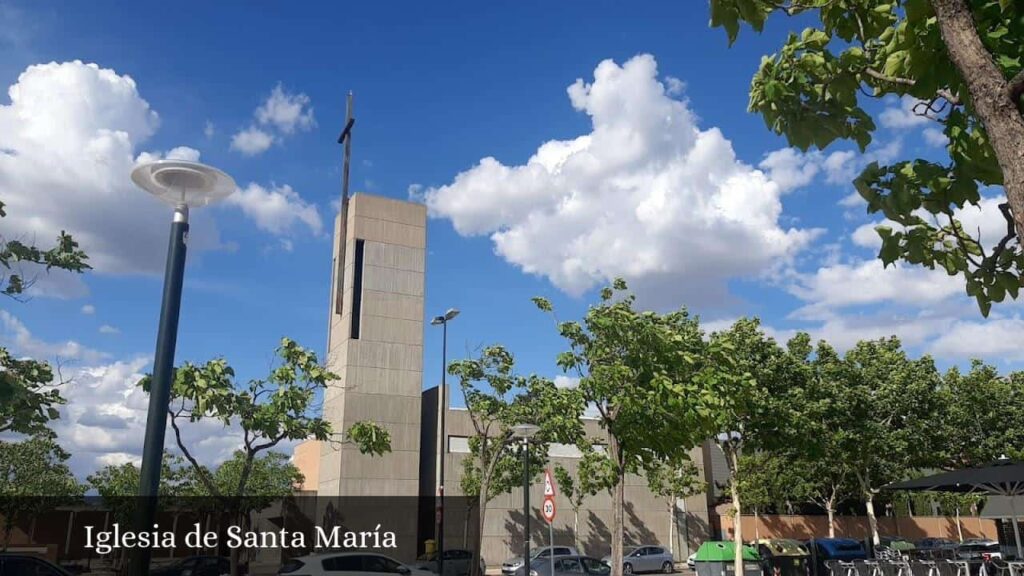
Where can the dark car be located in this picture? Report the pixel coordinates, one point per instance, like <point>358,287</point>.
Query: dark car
<point>935,543</point>
<point>25,565</point>
<point>979,551</point>
<point>196,566</point>
<point>574,565</point>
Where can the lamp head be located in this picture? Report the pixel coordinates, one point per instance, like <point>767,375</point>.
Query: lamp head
<point>437,321</point>
<point>525,431</point>
<point>183,183</point>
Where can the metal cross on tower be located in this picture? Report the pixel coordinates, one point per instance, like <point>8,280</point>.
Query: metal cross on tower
<point>345,139</point>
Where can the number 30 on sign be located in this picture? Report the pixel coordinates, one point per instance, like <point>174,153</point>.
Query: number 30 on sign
<point>548,509</point>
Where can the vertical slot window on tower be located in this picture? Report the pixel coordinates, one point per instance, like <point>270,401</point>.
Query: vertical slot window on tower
<point>357,289</point>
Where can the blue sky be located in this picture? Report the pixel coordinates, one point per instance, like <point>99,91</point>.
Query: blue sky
<point>438,87</point>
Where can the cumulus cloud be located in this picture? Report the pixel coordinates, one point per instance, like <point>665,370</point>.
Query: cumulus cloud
<point>17,337</point>
<point>281,114</point>
<point>789,168</point>
<point>88,309</point>
<point>108,329</point>
<point>901,114</point>
<point>285,111</point>
<point>935,137</point>
<point>986,339</point>
<point>251,141</point>
<point>647,195</point>
<point>276,209</point>
<point>68,142</point>
<point>831,288</point>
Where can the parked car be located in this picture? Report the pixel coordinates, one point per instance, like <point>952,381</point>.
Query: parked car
<point>981,551</point>
<point>569,566</point>
<point>512,565</point>
<point>979,541</point>
<point>348,564</point>
<point>691,561</point>
<point>457,562</point>
<point>645,559</point>
<point>196,566</point>
<point>27,565</point>
<point>935,543</point>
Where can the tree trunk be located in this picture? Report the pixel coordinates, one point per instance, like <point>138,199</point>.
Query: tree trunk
<point>869,501</point>
<point>618,500</point>
<point>959,526</point>
<point>757,532</point>
<point>671,525</point>
<point>990,95</point>
<point>733,459</point>
<point>478,549</point>
<point>830,509</point>
<point>576,528</point>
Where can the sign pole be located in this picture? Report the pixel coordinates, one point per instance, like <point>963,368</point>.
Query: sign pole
<point>548,511</point>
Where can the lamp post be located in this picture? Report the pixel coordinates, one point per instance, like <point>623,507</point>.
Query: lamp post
<point>525,432</point>
<point>442,448</point>
<point>181,184</point>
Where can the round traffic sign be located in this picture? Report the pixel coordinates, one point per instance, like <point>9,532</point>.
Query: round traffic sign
<point>548,510</point>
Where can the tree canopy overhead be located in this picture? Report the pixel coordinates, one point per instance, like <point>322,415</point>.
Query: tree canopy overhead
<point>962,62</point>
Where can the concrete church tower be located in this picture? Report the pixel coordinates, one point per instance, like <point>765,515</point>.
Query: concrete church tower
<point>375,344</point>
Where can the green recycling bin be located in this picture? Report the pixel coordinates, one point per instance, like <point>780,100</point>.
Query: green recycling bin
<point>716,558</point>
<point>783,557</point>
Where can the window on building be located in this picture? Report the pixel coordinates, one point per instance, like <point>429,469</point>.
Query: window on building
<point>458,445</point>
<point>357,289</point>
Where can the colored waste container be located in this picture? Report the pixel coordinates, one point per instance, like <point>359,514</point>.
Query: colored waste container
<point>783,557</point>
<point>825,550</point>
<point>716,558</point>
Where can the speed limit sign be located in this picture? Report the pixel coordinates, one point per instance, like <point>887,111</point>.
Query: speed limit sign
<point>548,509</point>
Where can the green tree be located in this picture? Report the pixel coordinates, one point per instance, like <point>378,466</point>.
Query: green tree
<point>28,396</point>
<point>589,477</point>
<point>498,399</point>
<point>819,472</point>
<point>673,481</point>
<point>983,416</point>
<point>753,411</point>
<point>118,486</point>
<point>963,62</point>
<point>886,407</point>
<point>34,478</point>
<point>762,483</point>
<point>268,411</point>
<point>653,379</point>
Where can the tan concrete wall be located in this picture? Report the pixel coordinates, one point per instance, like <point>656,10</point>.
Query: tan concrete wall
<point>647,517</point>
<point>381,371</point>
<point>306,457</point>
<point>915,528</point>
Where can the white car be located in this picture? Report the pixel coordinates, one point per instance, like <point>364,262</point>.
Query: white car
<point>348,564</point>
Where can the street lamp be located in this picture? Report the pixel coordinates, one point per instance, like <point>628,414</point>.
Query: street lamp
<point>525,432</point>
<point>181,184</point>
<point>442,408</point>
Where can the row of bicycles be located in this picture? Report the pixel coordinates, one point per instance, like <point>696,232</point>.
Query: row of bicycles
<point>900,566</point>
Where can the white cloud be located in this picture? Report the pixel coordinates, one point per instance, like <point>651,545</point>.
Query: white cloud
<point>285,111</point>
<point>281,114</point>
<point>104,420</point>
<point>88,309</point>
<point>69,138</point>
<point>674,86</point>
<point>853,200</point>
<point>935,137</point>
<point>209,130</point>
<point>646,195</point>
<point>790,168</point>
<point>251,141</point>
<point>108,329</point>
<point>989,339</point>
<point>563,381</point>
<point>902,114</point>
<point>17,337</point>
<point>840,167</point>
<point>831,288</point>
<point>277,209</point>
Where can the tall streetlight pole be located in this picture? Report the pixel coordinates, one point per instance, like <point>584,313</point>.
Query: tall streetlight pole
<point>182,185</point>
<point>525,432</point>
<point>442,449</point>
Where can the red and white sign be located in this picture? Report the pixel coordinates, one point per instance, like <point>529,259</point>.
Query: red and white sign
<point>549,485</point>
<point>548,509</point>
